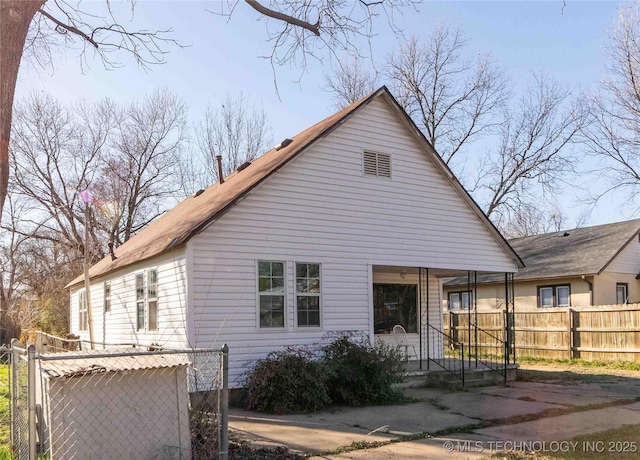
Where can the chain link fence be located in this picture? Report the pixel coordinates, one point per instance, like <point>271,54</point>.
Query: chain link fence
<point>124,403</point>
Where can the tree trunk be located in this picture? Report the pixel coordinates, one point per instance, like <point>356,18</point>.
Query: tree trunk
<point>15,18</point>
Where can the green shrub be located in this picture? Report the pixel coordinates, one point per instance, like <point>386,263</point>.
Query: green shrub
<point>287,381</point>
<point>360,373</point>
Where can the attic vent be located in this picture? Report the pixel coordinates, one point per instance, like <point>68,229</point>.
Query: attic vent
<point>566,234</point>
<point>243,166</point>
<point>376,164</point>
<point>283,144</point>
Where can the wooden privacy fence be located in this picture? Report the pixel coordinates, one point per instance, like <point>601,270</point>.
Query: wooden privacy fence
<point>611,334</point>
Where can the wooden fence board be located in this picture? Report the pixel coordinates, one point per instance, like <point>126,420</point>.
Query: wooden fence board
<point>594,334</point>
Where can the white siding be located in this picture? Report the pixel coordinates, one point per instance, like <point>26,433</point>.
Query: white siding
<point>628,261</point>
<point>321,208</point>
<point>119,325</point>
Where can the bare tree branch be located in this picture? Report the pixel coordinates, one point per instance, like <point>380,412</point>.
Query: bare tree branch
<point>313,28</point>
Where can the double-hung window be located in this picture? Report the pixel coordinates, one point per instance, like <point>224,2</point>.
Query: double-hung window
<point>460,300</point>
<point>271,293</point>
<point>554,296</point>
<point>308,294</point>
<point>147,300</point>
<point>83,314</point>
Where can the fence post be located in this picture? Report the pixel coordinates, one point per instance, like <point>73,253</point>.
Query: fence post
<point>223,452</point>
<point>14,390</point>
<point>31,395</point>
<point>570,332</point>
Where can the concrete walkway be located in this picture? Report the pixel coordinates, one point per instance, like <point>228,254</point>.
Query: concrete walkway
<point>542,408</point>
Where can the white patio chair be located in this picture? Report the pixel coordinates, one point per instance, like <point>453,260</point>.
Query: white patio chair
<point>402,341</point>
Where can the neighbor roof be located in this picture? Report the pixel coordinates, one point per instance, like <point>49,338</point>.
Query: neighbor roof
<point>581,251</point>
<point>192,215</point>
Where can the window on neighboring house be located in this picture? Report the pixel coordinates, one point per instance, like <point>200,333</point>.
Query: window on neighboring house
<point>83,314</point>
<point>376,164</point>
<point>395,304</point>
<point>622,295</point>
<point>107,296</point>
<point>147,300</point>
<point>554,296</point>
<point>271,293</point>
<point>460,300</point>
<point>308,294</point>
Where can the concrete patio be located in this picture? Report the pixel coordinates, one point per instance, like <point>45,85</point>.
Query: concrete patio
<point>548,410</point>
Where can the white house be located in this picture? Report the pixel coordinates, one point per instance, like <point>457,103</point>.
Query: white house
<point>347,226</point>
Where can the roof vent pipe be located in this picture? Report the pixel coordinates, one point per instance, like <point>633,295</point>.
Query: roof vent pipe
<point>220,176</point>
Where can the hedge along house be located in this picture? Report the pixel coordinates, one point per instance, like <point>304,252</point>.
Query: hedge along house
<point>347,226</point>
<point>583,267</point>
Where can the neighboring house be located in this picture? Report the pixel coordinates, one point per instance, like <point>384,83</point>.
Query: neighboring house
<point>347,226</point>
<point>575,268</point>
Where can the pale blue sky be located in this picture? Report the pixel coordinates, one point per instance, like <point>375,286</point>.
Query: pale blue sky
<point>566,43</point>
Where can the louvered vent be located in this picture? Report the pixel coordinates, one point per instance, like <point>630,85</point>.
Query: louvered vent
<point>377,164</point>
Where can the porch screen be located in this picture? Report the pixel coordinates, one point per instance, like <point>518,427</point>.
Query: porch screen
<point>394,304</point>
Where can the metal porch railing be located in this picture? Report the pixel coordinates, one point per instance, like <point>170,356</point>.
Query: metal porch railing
<point>443,341</point>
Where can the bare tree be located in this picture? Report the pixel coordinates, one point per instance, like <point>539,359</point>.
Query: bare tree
<point>305,28</point>
<point>302,28</point>
<point>138,172</point>
<point>453,100</point>
<point>237,131</point>
<point>126,156</point>
<point>613,136</point>
<point>25,23</point>
<point>351,80</point>
<point>531,158</point>
<point>56,153</point>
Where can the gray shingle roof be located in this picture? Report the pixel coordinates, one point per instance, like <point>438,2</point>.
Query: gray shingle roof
<point>581,251</point>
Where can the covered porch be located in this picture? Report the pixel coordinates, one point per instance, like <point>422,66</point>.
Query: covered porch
<point>412,297</point>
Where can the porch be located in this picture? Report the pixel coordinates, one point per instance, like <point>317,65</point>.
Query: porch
<point>412,298</point>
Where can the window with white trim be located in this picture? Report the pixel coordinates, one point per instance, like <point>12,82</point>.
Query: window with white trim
<point>107,296</point>
<point>622,296</point>
<point>271,293</point>
<point>308,294</point>
<point>376,164</point>
<point>147,300</point>
<point>461,300</point>
<point>152,300</point>
<point>554,296</point>
<point>83,313</point>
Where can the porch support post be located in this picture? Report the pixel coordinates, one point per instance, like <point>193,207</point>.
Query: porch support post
<point>475,312</point>
<point>468,318</point>
<point>512,318</point>
<point>420,317</point>
<point>426,290</point>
